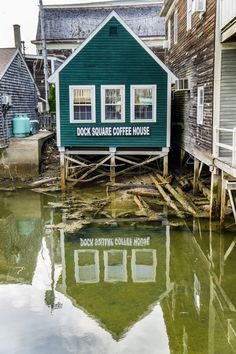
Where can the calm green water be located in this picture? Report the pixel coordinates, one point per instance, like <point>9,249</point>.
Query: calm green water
<point>115,290</point>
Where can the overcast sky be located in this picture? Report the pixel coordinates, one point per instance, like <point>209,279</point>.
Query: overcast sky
<point>24,13</point>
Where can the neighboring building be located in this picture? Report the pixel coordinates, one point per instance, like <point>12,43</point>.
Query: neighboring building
<point>113,94</point>
<point>201,51</point>
<point>36,67</point>
<point>67,26</point>
<point>190,55</point>
<point>225,88</point>
<point>18,92</point>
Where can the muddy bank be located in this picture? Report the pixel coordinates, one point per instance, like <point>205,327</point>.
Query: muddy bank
<point>49,170</point>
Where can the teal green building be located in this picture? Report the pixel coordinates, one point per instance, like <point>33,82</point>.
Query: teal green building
<point>113,94</point>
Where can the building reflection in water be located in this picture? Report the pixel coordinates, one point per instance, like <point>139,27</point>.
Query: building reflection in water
<point>188,275</point>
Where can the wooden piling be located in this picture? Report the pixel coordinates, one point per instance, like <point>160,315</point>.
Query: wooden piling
<point>223,198</point>
<point>113,169</point>
<point>182,156</point>
<point>196,175</point>
<point>215,193</point>
<point>165,166</point>
<point>112,165</point>
<point>62,168</point>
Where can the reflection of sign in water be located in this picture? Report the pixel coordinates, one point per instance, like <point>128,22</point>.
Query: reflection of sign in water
<point>116,241</point>
<point>115,264</point>
<point>143,264</point>
<point>86,266</point>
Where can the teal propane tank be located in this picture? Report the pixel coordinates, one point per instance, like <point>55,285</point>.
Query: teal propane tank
<point>21,125</point>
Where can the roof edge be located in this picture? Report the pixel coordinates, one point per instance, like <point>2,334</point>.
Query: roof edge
<point>165,8</point>
<point>11,60</point>
<point>105,4</point>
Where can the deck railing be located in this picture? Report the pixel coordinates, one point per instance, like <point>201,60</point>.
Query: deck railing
<point>230,147</point>
<point>228,11</point>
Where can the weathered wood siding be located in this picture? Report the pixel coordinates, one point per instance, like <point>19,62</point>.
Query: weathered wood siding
<point>18,83</point>
<point>193,57</point>
<point>227,97</point>
<point>113,60</point>
<point>36,68</point>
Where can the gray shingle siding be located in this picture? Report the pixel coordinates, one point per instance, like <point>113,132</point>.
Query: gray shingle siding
<point>78,23</point>
<point>18,83</point>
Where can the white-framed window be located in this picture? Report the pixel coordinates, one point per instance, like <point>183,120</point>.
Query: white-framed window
<point>169,34</point>
<point>143,103</point>
<point>113,104</point>
<point>189,14</point>
<point>200,104</point>
<point>199,6</point>
<point>176,26</point>
<point>82,104</point>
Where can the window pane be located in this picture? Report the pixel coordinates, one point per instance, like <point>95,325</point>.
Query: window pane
<point>143,96</point>
<point>113,112</point>
<point>82,96</point>
<point>143,112</point>
<point>113,96</point>
<point>83,112</point>
<point>201,96</point>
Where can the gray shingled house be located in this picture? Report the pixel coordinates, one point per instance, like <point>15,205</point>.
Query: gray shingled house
<point>18,86</point>
<point>66,26</point>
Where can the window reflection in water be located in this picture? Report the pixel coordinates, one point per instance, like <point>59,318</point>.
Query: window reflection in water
<point>86,266</point>
<point>143,265</point>
<point>115,264</point>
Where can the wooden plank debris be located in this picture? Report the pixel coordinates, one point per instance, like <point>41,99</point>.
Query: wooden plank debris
<point>180,198</point>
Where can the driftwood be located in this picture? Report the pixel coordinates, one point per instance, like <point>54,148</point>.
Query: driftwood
<point>43,181</point>
<point>180,198</point>
<point>146,210</point>
<point>143,193</point>
<point>70,228</point>
<point>184,183</point>
<point>124,186</point>
<point>179,190</point>
<point>205,191</point>
<point>56,205</point>
<point>166,197</point>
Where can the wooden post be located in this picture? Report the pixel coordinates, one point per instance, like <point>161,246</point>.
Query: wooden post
<point>196,175</point>
<point>223,198</point>
<point>215,193</point>
<point>62,167</point>
<point>113,166</point>
<point>165,166</point>
<point>182,156</point>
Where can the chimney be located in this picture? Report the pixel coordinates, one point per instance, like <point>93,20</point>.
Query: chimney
<point>17,36</point>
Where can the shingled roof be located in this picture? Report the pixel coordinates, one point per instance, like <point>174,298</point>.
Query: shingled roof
<point>6,56</point>
<point>77,22</point>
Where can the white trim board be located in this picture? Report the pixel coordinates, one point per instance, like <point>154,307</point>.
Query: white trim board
<point>58,126</point>
<point>52,78</point>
